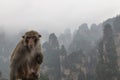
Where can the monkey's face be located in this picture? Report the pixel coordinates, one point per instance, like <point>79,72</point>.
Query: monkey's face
<point>31,39</point>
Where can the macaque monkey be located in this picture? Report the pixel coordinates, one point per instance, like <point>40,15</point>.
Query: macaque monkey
<point>26,58</point>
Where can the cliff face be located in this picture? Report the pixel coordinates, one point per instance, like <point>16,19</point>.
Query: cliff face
<point>117,43</point>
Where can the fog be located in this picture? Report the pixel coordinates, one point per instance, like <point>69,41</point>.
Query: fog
<point>71,49</point>
<point>54,15</point>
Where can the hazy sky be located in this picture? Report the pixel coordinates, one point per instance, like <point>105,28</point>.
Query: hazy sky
<point>55,15</point>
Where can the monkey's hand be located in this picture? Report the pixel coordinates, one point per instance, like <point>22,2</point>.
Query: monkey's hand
<point>39,58</point>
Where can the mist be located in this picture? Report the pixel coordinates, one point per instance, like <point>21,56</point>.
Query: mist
<point>80,38</point>
<point>54,15</point>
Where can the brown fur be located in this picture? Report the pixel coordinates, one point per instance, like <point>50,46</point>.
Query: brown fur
<point>26,58</point>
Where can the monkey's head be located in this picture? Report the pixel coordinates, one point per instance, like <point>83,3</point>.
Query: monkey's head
<point>31,38</point>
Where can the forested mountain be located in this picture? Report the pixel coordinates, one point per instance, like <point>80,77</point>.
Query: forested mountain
<point>89,53</point>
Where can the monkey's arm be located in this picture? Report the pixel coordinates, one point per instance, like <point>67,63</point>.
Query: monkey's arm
<point>38,55</point>
<point>39,58</point>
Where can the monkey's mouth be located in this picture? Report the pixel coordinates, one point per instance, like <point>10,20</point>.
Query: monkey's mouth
<point>30,46</point>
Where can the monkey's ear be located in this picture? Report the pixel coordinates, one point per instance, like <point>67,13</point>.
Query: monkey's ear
<point>40,35</point>
<point>23,36</point>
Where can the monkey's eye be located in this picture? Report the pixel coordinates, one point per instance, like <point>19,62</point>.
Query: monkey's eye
<point>28,37</point>
<point>33,37</point>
